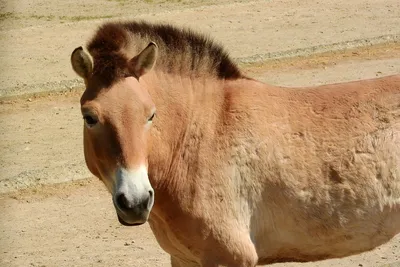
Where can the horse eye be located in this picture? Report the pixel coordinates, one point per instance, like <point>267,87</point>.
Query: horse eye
<point>151,117</point>
<point>90,121</point>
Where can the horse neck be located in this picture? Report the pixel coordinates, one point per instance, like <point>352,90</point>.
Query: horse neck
<point>187,107</point>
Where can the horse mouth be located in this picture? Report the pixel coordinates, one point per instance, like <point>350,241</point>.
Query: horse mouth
<point>121,221</point>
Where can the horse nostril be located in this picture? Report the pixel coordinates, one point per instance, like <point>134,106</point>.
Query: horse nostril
<point>122,202</point>
<point>149,201</point>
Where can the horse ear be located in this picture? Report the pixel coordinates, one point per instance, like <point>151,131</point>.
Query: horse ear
<point>144,61</point>
<point>81,62</point>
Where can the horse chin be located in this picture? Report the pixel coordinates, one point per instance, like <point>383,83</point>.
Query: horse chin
<point>121,221</point>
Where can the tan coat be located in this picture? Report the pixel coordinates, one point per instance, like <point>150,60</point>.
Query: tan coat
<point>234,172</point>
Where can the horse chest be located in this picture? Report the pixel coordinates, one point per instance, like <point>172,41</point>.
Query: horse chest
<point>173,239</point>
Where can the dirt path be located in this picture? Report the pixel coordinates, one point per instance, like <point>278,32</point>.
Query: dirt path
<point>36,39</point>
<point>74,224</point>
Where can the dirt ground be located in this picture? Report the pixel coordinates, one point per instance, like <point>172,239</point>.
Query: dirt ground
<point>37,37</point>
<point>53,213</point>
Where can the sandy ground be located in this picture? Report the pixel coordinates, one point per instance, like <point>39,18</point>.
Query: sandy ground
<point>39,36</point>
<point>55,222</point>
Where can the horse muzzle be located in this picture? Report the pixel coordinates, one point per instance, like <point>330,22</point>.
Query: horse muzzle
<point>133,211</point>
<point>134,197</point>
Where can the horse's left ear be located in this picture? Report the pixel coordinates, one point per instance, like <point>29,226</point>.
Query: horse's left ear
<point>144,61</point>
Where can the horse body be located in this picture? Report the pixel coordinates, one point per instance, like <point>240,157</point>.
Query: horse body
<point>335,165</point>
<point>243,173</point>
<point>317,179</point>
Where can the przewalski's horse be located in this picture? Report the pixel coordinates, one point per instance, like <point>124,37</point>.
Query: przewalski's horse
<point>227,170</point>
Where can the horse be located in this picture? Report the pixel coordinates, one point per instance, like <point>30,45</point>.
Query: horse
<point>230,171</point>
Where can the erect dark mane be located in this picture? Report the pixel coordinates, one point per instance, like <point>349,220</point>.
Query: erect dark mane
<point>180,51</point>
